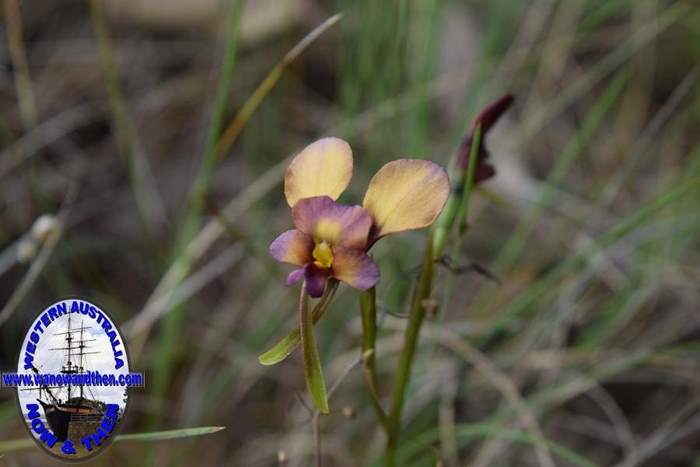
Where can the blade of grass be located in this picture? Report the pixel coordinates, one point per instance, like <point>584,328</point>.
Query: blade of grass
<point>592,122</point>
<point>147,199</point>
<point>523,302</point>
<point>234,128</point>
<point>27,443</point>
<point>48,245</point>
<point>216,148</point>
<point>169,434</point>
<point>18,55</point>
<point>470,432</point>
<point>173,322</point>
<point>138,327</point>
<point>619,55</point>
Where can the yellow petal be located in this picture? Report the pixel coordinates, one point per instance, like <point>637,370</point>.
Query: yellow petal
<point>406,194</point>
<point>323,168</point>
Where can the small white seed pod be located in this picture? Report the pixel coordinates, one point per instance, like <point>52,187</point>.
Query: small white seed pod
<point>45,226</point>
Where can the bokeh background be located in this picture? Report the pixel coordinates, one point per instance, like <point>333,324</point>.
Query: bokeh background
<point>584,351</point>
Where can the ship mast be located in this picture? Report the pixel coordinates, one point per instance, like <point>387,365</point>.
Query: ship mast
<point>70,368</point>
<point>82,346</point>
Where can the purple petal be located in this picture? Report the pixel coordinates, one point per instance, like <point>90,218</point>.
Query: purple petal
<point>315,279</point>
<point>356,268</point>
<point>336,224</point>
<point>292,247</point>
<point>295,276</point>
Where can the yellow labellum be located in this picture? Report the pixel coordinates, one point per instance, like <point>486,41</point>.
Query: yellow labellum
<point>323,254</point>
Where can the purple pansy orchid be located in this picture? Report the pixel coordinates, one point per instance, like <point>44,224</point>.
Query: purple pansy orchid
<point>332,239</point>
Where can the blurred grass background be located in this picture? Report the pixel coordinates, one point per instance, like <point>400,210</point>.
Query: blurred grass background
<point>586,352</point>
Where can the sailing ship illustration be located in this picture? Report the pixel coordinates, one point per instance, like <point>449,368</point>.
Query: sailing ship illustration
<point>71,410</point>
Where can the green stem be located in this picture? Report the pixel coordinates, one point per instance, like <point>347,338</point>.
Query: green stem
<point>403,373</point>
<point>456,208</point>
<point>286,346</point>
<point>462,185</point>
<point>469,181</point>
<point>449,212</point>
<point>368,306</point>
<point>325,301</point>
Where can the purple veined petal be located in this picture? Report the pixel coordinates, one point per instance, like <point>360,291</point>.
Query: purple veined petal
<point>295,276</point>
<point>336,224</point>
<point>356,268</point>
<point>293,247</point>
<point>315,279</point>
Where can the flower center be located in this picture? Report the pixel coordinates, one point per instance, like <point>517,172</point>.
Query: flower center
<point>323,254</point>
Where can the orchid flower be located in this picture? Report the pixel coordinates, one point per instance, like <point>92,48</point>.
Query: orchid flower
<point>331,240</point>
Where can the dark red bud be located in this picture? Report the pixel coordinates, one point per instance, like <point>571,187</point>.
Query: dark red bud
<point>483,172</point>
<point>487,118</point>
<point>492,113</point>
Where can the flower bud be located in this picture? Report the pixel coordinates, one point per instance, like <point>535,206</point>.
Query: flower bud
<point>486,119</point>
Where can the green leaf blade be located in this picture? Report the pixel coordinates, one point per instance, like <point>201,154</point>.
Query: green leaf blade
<point>282,349</point>
<point>169,434</point>
<point>13,445</point>
<point>313,373</point>
<point>289,343</point>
